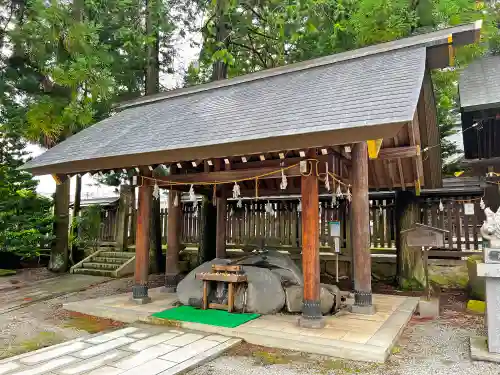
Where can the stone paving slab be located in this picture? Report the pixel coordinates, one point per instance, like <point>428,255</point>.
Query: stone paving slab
<point>479,350</point>
<point>139,350</point>
<point>47,289</point>
<point>347,335</point>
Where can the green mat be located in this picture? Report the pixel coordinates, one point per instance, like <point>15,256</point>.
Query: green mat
<point>218,318</point>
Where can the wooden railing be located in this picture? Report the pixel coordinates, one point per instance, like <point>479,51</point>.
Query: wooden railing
<point>251,223</point>
<point>463,230</point>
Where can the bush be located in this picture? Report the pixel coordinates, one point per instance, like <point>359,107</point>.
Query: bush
<point>89,228</point>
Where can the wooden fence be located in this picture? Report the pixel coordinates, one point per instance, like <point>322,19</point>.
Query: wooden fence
<point>464,230</point>
<point>282,227</point>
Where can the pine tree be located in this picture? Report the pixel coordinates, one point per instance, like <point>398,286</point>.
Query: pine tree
<point>25,217</point>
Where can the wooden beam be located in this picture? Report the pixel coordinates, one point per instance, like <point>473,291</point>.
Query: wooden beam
<point>229,175</point>
<point>429,134</point>
<point>311,310</point>
<point>415,141</point>
<point>360,226</point>
<point>286,162</point>
<point>400,166</point>
<point>140,288</point>
<point>398,152</point>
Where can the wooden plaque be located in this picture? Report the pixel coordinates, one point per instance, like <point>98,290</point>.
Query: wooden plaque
<point>426,236</point>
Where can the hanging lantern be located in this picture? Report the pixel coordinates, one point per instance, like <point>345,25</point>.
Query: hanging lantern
<point>195,213</point>
<point>156,191</point>
<point>192,195</point>
<point>231,212</point>
<point>299,207</point>
<point>236,191</point>
<point>334,200</point>
<point>441,206</point>
<point>176,200</point>
<point>482,204</point>
<point>239,204</point>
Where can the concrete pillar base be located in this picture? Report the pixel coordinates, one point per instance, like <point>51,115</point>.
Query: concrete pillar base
<point>171,282</point>
<point>363,309</point>
<point>311,323</point>
<point>428,309</point>
<point>141,300</point>
<point>140,294</point>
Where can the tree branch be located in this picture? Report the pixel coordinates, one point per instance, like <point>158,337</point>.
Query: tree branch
<point>253,50</point>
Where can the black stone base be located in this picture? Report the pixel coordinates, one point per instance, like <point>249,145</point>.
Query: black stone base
<point>311,315</point>
<point>362,298</point>
<point>363,303</point>
<point>311,310</point>
<point>171,282</point>
<point>140,294</point>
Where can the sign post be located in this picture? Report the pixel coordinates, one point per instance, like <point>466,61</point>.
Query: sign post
<point>426,237</point>
<point>335,233</point>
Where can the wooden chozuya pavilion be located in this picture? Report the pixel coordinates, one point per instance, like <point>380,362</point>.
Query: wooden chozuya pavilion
<point>358,119</point>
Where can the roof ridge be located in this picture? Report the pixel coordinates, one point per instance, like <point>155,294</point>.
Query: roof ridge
<point>408,42</point>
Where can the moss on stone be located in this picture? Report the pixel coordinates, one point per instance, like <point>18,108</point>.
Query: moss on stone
<point>411,284</point>
<point>476,306</point>
<point>41,340</point>
<point>270,358</point>
<point>4,272</point>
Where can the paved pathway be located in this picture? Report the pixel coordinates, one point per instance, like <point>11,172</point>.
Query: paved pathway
<point>129,351</point>
<point>15,296</point>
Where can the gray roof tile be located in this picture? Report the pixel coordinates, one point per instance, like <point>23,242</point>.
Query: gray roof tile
<point>479,85</point>
<point>376,89</point>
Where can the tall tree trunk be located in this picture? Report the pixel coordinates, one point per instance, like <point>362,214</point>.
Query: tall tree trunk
<point>208,227</point>
<point>410,267</point>
<point>219,68</point>
<point>59,250</point>
<point>153,87</point>
<point>208,211</point>
<point>74,255</point>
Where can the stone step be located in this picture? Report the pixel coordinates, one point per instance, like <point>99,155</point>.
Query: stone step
<point>94,272</point>
<point>109,260</point>
<point>109,249</point>
<point>116,254</point>
<point>101,266</point>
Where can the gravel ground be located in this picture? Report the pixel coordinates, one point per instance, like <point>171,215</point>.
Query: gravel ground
<point>437,347</point>
<point>46,323</point>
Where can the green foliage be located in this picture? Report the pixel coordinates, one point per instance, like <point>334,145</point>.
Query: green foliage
<point>89,228</point>
<point>7,272</point>
<point>25,217</point>
<point>278,32</point>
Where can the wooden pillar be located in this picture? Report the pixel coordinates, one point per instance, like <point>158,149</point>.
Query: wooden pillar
<point>173,241</point>
<point>123,217</point>
<point>360,209</point>
<point>140,288</point>
<point>311,310</point>
<point>220,241</point>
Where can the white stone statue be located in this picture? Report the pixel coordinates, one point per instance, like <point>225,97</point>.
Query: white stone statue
<point>491,227</point>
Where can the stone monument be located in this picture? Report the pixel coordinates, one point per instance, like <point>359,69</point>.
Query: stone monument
<point>490,270</point>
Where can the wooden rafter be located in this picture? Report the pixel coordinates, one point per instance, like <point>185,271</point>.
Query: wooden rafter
<point>400,166</point>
